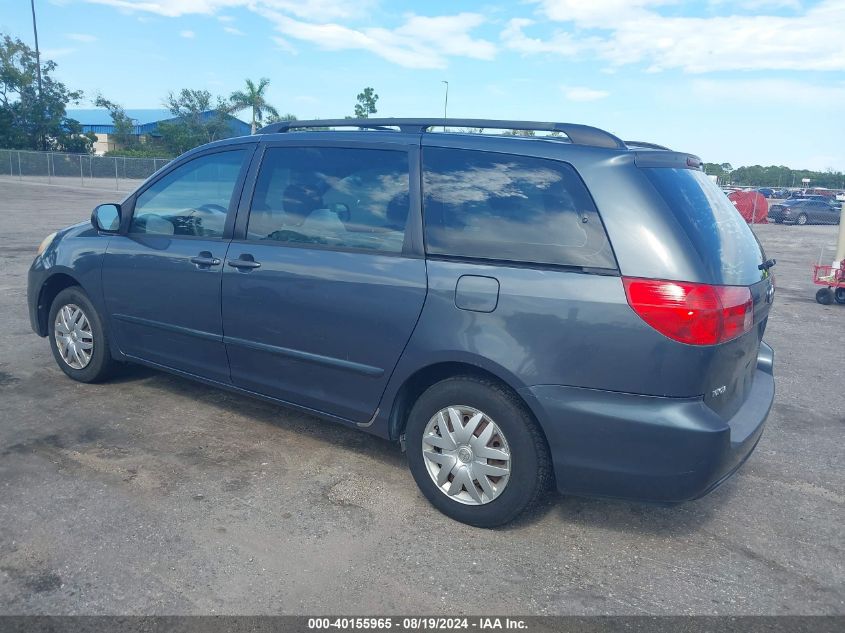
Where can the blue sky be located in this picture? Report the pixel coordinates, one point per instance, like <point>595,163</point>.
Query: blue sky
<point>743,81</point>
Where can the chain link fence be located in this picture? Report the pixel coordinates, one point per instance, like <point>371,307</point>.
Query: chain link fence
<point>117,173</point>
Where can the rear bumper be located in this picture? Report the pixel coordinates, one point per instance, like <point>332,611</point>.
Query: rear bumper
<point>645,447</point>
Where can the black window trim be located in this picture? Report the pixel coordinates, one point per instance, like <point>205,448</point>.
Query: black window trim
<point>412,247</point>
<point>614,271</point>
<point>128,205</point>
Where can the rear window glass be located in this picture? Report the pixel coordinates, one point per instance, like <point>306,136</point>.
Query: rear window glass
<point>514,208</point>
<point>724,242</point>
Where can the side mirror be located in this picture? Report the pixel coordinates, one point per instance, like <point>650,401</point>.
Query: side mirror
<point>106,217</point>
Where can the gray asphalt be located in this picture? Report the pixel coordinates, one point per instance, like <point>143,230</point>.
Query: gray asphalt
<point>154,495</point>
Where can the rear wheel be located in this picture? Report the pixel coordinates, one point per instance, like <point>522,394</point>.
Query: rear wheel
<point>476,452</point>
<point>802,219</point>
<point>839,295</point>
<point>77,337</point>
<point>825,296</point>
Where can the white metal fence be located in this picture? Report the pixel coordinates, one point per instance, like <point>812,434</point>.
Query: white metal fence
<point>77,170</point>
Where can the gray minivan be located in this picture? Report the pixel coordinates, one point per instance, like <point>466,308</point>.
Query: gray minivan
<point>517,311</point>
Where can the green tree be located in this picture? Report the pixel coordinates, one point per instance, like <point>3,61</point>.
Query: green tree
<point>29,120</point>
<point>277,118</point>
<point>253,98</point>
<point>197,120</point>
<point>124,125</point>
<point>71,138</point>
<point>366,103</point>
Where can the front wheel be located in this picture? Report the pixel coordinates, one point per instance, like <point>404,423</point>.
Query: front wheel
<point>839,295</point>
<point>824,296</point>
<point>77,337</point>
<point>476,452</point>
<point>802,219</point>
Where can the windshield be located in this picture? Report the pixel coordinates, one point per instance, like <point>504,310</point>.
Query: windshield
<point>724,242</point>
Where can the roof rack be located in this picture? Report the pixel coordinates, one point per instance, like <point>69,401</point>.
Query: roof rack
<point>577,134</point>
<point>646,145</point>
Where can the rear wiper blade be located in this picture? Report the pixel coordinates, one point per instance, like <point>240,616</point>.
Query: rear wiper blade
<point>767,264</point>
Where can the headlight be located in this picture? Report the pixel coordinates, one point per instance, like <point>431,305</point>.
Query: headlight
<point>45,243</point>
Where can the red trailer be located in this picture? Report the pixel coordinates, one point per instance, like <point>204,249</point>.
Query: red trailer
<point>834,281</point>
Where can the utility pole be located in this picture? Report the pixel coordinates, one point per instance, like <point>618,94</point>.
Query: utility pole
<point>445,103</point>
<point>38,72</point>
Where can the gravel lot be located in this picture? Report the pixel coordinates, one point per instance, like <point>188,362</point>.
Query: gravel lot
<point>155,495</point>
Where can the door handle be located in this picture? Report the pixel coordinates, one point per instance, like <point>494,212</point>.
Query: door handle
<point>244,263</point>
<point>205,259</point>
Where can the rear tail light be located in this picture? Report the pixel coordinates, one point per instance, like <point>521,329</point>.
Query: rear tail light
<point>696,314</point>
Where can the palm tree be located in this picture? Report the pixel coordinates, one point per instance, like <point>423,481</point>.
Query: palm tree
<point>253,97</point>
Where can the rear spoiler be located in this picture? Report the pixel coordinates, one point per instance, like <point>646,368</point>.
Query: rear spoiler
<point>678,160</point>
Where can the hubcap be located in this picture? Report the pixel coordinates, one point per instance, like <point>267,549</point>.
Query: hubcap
<point>74,337</point>
<point>466,455</point>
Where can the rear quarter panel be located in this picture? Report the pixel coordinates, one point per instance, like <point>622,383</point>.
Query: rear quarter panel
<point>549,327</point>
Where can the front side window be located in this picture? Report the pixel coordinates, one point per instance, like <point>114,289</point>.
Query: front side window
<point>192,200</point>
<point>485,205</point>
<point>332,197</point>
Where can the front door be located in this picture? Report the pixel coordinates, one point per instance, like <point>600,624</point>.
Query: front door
<point>161,276</point>
<point>325,282</point>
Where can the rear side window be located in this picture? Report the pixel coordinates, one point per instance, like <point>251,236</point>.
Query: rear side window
<point>486,205</point>
<point>721,238</point>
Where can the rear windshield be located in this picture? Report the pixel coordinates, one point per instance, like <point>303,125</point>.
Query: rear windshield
<point>724,242</point>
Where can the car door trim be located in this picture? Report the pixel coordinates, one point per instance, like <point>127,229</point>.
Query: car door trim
<point>358,368</point>
<point>207,336</point>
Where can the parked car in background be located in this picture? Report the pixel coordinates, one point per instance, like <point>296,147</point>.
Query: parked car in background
<point>515,312</point>
<point>821,191</point>
<point>817,210</point>
<point>766,191</point>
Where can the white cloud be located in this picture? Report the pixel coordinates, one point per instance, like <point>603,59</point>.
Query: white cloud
<point>582,93</point>
<point>598,14</point>
<point>633,31</point>
<point>420,42</point>
<point>81,37</point>
<point>233,31</point>
<point>758,5</point>
<point>560,43</point>
<point>56,53</point>
<point>187,34</point>
<point>784,91</point>
<point>286,46</point>
<point>325,9</point>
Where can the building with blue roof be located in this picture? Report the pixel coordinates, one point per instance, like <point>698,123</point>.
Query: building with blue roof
<point>146,121</point>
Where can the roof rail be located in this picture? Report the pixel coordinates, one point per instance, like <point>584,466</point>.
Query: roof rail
<point>646,145</point>
<point>577,134</point>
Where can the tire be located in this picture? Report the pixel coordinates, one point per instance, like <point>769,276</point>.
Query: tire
<point>510,431</point>
<point>824,296</point>
<point>80,327</point>
<point>801,219</point>
<point>839,295</point>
